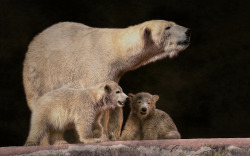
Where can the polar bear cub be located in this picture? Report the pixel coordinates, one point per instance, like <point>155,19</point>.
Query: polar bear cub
<point>59,108</point>
<point>145,122</point>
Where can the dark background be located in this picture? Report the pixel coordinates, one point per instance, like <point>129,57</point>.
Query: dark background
<point>205,89</point>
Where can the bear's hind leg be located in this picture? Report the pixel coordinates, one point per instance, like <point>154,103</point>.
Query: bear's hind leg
<point>56,138</point>
<point>38,129</point>
<point>172,135</point>
<point>45,140</point>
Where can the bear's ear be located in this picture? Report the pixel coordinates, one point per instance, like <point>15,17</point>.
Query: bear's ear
<point>107,89</point>
<point>155,98</point>
<point>146,33</point>
<point>130,96</point>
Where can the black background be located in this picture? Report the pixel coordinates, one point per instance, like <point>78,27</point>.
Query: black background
<point>205,89</point>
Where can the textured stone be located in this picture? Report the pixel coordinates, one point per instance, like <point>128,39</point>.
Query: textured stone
<point>180,147</point>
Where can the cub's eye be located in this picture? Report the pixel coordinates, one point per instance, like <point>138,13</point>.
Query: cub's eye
<point>117,92</point>
<point>139,101</point>
<point>149,103</point>
<point>167,28</point>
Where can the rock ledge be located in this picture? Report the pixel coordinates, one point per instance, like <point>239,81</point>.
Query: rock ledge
<point>180,147</point>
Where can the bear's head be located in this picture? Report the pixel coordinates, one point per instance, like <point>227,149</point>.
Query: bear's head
<point>113,95</point>
<point>143,104</point>
<point>163,38</point>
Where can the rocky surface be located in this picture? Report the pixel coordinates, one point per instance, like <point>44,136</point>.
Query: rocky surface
<point>181,147</point>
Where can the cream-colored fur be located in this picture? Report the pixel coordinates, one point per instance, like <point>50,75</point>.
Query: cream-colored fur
<point>62,107</point>
<point>150,124</point>
<point>78,56</point>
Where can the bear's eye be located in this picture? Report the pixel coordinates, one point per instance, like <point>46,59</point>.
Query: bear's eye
<point>167,28</point>
<point>149,103</point>
<point>117,92</point>
<point>139,101</point>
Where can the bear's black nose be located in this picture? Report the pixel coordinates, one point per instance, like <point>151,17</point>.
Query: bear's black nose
<point>188,32</point>
<point>144,109</point>
<point>127,99</point>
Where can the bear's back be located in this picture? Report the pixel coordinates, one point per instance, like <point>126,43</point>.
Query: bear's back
<point>62,97</point>
<point>58,37</point>
<point>164,120</point>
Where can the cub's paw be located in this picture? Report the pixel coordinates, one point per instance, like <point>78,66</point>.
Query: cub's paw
<point>112,137</point>
<point>97,140</point>
<point>96,133</point>
<point>104,138</point>
<point>94,140</point>
<point>29,143</point>
<point>60,142</point>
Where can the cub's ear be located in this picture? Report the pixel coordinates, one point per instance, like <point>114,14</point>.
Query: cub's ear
<point>155,98</point>
<point>107,89</point>
<point>130,96</point>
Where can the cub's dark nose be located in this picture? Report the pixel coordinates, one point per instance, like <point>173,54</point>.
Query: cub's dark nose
<point>188,32</point>
<point>144,109</point>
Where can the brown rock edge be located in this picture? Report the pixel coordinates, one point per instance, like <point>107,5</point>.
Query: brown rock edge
<point>218,146</point>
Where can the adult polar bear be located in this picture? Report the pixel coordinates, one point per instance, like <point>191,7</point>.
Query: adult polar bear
<point>74,55</point>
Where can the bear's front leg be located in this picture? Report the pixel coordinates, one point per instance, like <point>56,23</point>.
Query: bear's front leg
<point>97,128</point>
<point>132,129</point>
<point>84,129</point>
<point>150,133</point>
<point>115,123</point>
<point>85,134</point>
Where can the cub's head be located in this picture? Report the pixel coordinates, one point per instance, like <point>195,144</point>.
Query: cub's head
<point>164,38</point>
<point>143,103</point>
<point>113,95</point>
